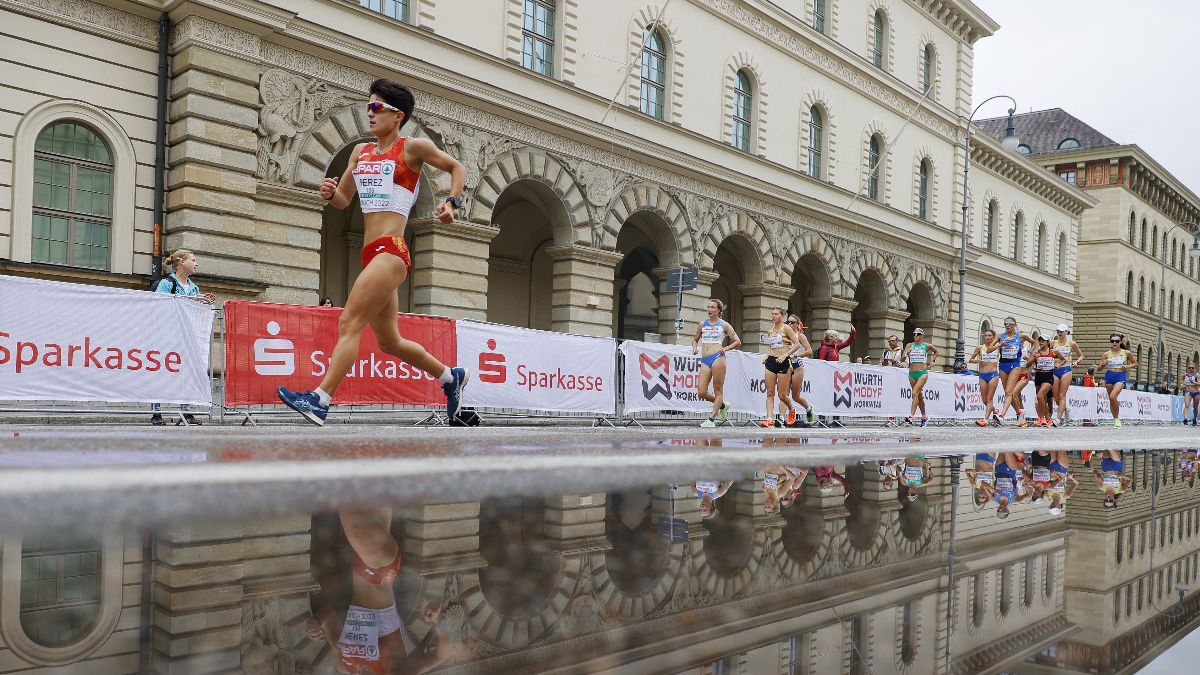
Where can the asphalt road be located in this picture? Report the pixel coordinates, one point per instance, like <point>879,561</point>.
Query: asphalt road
<point>131,476</point>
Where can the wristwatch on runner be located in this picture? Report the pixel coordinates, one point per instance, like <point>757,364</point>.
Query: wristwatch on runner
<point>454,201</point>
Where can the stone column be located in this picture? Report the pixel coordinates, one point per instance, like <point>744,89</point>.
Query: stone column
<point>450,268</point>
<point>441,537</point>
<point>885,322</point>
<point>758,301</point>
<point>575,523</point>
<point>831,313</point>
<point>583,289</point>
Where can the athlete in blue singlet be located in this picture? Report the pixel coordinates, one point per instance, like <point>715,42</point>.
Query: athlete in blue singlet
<point>1012,371</point>
<point>1115,363</point>
<point>709,343</point>
<point>1111,478</point>
<point>983,477</point>
<point>708,492</point>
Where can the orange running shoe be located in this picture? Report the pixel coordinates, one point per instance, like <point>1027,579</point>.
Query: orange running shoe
<point>791,418</point>
<point>766,424</point>
<point>981,423</point>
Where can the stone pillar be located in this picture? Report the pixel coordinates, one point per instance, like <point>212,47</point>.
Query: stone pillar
<point>583,289</point>
<point>942,333</point>
<point>758,301</point>
<point>575,523</point>
<point>885,322</point>
<point>450,268</point>
<point>831,313</point>
<point>441,537</point>
<point>213,582</point>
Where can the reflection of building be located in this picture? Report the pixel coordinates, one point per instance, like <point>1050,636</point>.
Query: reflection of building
<point>1122,240</point>
<point>762,144</point>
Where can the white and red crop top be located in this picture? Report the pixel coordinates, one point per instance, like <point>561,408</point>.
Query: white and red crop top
<point>385,181</point>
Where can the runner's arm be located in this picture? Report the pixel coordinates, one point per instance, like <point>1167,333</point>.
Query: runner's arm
<point>734,340</point>
<point>934,356</point>
<point>791,336</point>
<point>975,356</point>
<point>696,339</point>
<point>1130,362</point>
<point>424,150</point>
<point>341,190</point>
<point>1078,353</point>
<point>723,487</point>
<point>807,351</point>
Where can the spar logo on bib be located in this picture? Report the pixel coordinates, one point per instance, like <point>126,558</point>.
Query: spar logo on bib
<point>387,168</point>
<point>843,389</point>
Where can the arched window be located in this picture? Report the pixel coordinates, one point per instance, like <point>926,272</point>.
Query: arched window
<point>1174,262</point>
<point>1062,254</point>
<point>1171,307</point>
<point>818,19</point>
<point>815,141</point>
<point>1179,310</point>
<point>60,587</point>
<point>878,39</point>
<point>1153,296</point>
<point>72,197</point>
<point>537,36</point>
<point>977,596</point>
<point>1129,289</point>
<point>874,154</point>
<point>397,9</point>
<point>1137,377</point>
<point>1154,242</point>
<point>989,231</point>
<point>1040,245</point>
<point>1142,245</point>
<point>1004,592</point>
<point>1132,229</point>
<point>1047,575</point>
<point>1028,586</point>
<point>923,188</point>
<point>984,327</point>
<point>1189,312</point>
<point>653,93</point>
<point>1069,144</point>
<point>743,104</point>
<point>1141,293</point>
<point>908,633</point>
<point>928,68</point>
<point>1018,235</point>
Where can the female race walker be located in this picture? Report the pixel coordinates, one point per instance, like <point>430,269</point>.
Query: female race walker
<point>387,176</point>
<point>1115,363</point>
<point>1071,355</point>
<point>920,357</point>
<point>710,336</point>
<point>1044,361</point>
<point>987,355</point>
<point>1191,384</point>
<point>778,363</point>
<point>798,357</point>
<point>1012,372</point>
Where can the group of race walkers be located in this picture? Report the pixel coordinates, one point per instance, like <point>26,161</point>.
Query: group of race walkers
<point>385,175</point>
<point>1011,358</point>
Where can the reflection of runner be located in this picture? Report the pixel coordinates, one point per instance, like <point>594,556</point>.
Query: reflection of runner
<point>777,482</point>
<point>1071,356</point>
<point>1116,362</point>
<point>798,357</point>
<point>1111,478</point>
<point>1191,385</point>
<point>1062,489</point>
<point>1044,361</point>
<point>386,176</point>
<point>781,344</point>
<point>1008,464</point>
<point>709,343</point>
<point>915,473</point>
<point>1187,464</point>
<point>709,491</point>
<point>987,355</point>
<point>983,478</point>
<point>920,357</point>
<point>370,637</point>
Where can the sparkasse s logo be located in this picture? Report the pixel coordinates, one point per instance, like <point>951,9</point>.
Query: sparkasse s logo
<point>656,376</point>
<point>491,365</point>
<point>843,389</point>
<point>274,355</point>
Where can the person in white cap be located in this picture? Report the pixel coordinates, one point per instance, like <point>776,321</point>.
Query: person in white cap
<point>1071,355</point>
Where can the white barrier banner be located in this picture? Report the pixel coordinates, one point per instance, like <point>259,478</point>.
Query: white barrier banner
<point>537,370</point>
<point>665,377</point>
<point>74,342</point>
<point>838,388</point>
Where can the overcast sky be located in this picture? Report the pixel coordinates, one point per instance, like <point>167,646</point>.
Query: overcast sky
<point>1129,69</point>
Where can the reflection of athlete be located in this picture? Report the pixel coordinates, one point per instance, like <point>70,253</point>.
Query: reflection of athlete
<point>370,636</point>
<point>983,478</point>
<point>1070,353</point>
<point>1115,363</point>
<point>920,357</point>
<point>914,473</point>
<point>386,176</point>
<point>1008,467</point>
<point>1187,464</point>
<point>710,344</point>
<point>1111,477</point>
<point>708,492</point>
<point>987,355</point>
<point>777,482</point>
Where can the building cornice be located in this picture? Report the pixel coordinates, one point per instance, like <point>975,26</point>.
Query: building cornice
<point>988,153</point>
<point>961,17</point>
<point>91,17</point>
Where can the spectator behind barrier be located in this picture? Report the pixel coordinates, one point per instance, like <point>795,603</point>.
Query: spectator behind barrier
<point>183,265</point>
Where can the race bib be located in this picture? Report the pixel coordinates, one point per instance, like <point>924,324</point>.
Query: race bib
<point>913,475</point>
<point>986,477</point>
<point>1112,480</point>
<point>360,635</point>
<point>1008,351</point>
<point>771,480</point>
<point>1041,475</point>
<point>1045,363</point>
<point>916,356</point>
<point>775,340</point>
<point>1004,485</point>
<point>706,487</point>
<point>375,182</point>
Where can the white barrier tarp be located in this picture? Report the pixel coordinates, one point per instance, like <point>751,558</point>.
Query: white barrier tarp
<point>664,377</point>
<point>74,342</point>
<point>537,370</point>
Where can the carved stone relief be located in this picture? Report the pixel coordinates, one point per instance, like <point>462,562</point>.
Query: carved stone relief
<point>291,107</point>
<point>267,649</point>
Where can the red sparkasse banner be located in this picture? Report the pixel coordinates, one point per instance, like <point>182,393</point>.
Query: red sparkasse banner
<point>268,346</point>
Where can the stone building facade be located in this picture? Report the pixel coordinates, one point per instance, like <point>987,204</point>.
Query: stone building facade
<point>787,169</point>
<point>1144,217</point>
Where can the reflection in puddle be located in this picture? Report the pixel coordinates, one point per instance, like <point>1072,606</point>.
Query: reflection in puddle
<point>1017,562</point>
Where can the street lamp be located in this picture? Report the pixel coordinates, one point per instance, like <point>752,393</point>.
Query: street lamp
<point>1009,143</point>
<point>1162,288</point>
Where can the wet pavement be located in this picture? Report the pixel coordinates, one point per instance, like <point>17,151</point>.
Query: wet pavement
<point>293,549</point>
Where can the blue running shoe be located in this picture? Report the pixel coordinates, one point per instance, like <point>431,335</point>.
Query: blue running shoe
<point>306,403</point>
<point>454,390</point>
